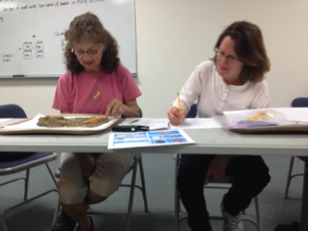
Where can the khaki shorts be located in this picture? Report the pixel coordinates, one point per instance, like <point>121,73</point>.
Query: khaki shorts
<point>109,171</point>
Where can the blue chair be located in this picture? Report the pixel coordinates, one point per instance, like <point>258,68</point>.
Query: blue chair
<point>193,111</point>
<point>14,162</point>
<point>223,183</point>
<point>137,161</point>
<point>300,102</point>
<point>297,102</point>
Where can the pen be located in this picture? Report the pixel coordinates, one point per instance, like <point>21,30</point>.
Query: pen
<point>133,121</point>
<point>90,120</point>
<point>179,107</point>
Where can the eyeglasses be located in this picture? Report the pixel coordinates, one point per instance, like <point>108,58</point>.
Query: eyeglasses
<point>229,58</point>
<point>91,52</point>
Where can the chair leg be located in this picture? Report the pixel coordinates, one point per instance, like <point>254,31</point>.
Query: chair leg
<point>51,174</point>
<point>128,219</point>
<point>177,200</point>
<point>26,184</point>
<point>304,204</point>
<point>141,169</point>
<point>177,203</point>
<point>176,174</point>
<point>57,210</point>
<point>289,178</point>
<point>258,217</point>
<point>3,223</point>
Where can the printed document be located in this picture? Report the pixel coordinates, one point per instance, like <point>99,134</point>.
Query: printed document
<point>197,123</point>
<point>148,139</point>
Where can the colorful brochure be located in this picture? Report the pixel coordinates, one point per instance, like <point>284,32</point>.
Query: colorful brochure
<point>148,139</point>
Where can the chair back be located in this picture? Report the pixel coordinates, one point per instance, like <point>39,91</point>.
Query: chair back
<point>6,158</point>
<point>12,111</point>
<point>300,102</point>
<point>140,113</point>
<point>193,111</point>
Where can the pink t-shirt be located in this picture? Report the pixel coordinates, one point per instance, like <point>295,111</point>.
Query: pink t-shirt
<point>90,93</point>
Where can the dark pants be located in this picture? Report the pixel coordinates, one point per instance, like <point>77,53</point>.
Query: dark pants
<point>250,175</point>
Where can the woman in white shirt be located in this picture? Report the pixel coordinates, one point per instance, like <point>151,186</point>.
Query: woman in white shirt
<point>233,80</point>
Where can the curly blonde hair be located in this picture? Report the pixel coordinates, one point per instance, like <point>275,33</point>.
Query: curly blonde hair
<point>250,50</point>
<point>88,27</point>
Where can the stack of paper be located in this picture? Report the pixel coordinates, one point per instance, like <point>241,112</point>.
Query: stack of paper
<point>197,123</point>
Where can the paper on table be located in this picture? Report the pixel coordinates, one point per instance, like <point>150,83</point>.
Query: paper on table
<point>294,113</point>
<point>31,124</point>
<point>148,139</point>
<point>197,123</point>
<point>5,119</point>
<point>153,123</point>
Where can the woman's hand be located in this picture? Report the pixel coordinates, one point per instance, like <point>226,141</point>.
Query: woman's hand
<point>175,117</point>
<point>88,169</point>
<point>217,167</point>
<point>129,109</point>
<point>87,164</point>
<point>114,108</point>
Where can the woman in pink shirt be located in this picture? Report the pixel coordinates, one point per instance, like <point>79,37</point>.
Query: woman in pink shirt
<point>95,83</point>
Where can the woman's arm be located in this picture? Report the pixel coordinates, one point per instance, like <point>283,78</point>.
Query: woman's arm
<point>217,167</point>
<point>189,93</point>
<point>193,88</point>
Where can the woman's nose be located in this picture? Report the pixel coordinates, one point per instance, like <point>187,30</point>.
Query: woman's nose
<point>223,60</point>
<point>87,56</point>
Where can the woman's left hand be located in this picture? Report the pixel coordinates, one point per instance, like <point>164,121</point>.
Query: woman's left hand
<point>114,108</point>
<point>217,167</point>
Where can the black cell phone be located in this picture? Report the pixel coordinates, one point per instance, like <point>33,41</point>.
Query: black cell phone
<point>131,128</point>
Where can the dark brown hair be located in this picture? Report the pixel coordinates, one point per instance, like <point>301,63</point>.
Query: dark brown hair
<point>88,27</point>
<point>250,50</point>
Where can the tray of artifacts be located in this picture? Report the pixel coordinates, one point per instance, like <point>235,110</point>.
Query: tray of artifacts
<point>267,120</point>
<point>60,124</point>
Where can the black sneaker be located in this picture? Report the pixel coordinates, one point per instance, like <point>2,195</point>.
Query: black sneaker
<point>63,223</point>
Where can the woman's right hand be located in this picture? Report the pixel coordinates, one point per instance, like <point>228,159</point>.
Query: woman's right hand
<point>87,164</point>
<point>88,169</point>
<point>175,117</point>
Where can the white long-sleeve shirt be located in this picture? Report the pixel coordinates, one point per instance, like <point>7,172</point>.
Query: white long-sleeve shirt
<point>215,96</point>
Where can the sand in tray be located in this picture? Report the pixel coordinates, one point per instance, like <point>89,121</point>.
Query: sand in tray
<point>60,121</point>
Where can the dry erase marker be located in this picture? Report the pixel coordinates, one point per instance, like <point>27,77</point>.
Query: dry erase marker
<point>179,107</point>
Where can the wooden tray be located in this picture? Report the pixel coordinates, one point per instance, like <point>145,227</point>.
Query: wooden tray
<point>284,128</point>
<point>66,130</point>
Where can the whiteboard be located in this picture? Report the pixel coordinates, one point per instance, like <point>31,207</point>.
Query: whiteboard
<point>32,33</point>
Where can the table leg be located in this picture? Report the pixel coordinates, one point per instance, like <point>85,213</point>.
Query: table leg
<point>304,205</point>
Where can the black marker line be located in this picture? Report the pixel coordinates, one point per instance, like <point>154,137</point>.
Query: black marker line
<point>18,75</point>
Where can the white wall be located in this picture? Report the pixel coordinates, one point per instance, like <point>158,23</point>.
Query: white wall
<point>174,36</point>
